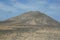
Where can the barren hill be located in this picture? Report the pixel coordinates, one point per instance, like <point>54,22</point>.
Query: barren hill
<point>31,18</point>
<point>32,25</point>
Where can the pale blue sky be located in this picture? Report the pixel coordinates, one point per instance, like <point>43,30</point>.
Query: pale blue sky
<point>10,8</point>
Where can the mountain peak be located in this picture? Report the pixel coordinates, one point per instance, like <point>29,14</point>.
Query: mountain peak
<point>31,18</point>
<point>36,13</point>
<point>30,25</point>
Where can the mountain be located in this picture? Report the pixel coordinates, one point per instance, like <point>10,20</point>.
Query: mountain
<point>31,18</point>
<point>32,25</point>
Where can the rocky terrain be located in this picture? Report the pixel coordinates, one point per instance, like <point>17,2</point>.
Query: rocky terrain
<point>32,25</point>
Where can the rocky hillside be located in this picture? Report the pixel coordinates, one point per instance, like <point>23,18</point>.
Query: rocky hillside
<point>32,25</point>
<point>31,18</point>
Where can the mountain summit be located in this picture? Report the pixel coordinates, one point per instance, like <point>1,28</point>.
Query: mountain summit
<point>31,18</point>
<point>32,25</point>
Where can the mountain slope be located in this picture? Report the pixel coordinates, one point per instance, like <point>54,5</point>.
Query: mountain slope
<point>32,25</point>
<point>32,18</point>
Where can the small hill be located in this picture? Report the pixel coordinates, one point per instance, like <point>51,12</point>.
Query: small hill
<point>32,25</point>
<point>31,18</point>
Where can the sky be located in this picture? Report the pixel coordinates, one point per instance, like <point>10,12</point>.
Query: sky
<point>11,8</point>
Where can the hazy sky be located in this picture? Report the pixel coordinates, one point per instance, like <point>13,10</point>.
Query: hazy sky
<point>10,8</point>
